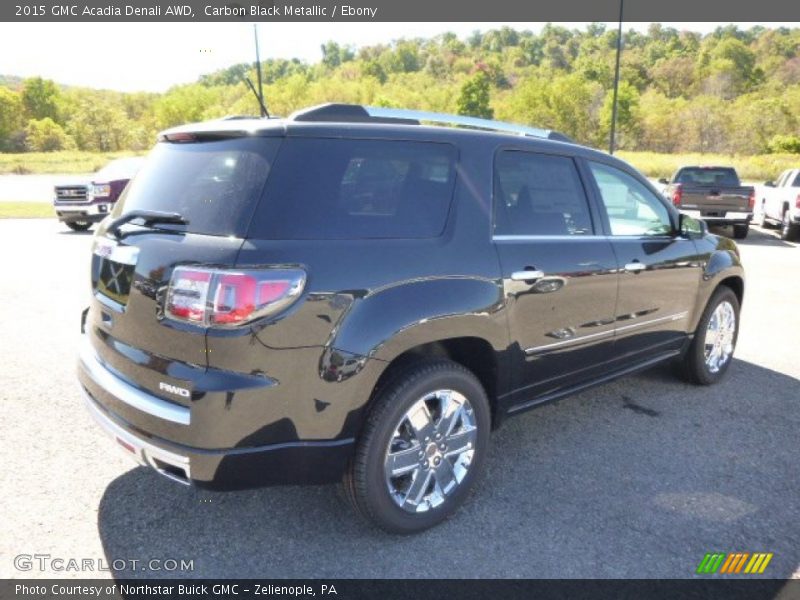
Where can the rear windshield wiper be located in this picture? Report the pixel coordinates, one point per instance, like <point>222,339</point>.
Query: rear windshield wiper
<point>148,216</point>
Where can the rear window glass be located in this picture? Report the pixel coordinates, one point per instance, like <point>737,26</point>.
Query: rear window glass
<point>708,176</point>
<point>357,189</point>
<point>214,185</point>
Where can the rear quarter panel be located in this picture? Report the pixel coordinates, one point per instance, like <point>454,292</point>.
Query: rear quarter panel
<point>365,303</point>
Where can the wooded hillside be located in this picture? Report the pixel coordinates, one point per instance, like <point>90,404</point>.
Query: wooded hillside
<point>733,91</point>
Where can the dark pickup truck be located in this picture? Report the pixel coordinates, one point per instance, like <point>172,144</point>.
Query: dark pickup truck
<point>713,194</point>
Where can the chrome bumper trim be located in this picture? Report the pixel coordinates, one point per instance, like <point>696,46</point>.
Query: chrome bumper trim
<point>729,215</point>
<point>125,392</point>
<point>87,208</point>
<point>611,332</point>
<point>142,451</point>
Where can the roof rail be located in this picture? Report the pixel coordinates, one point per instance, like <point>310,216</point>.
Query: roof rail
<point>355,113</point>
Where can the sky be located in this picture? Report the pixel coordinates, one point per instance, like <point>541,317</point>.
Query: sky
<point>155,56</point>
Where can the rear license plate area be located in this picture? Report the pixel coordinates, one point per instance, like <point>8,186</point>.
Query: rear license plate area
<point>115,280</point>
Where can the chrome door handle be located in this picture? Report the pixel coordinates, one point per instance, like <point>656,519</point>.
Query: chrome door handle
<point>635,267</point>
<point>526,275</point>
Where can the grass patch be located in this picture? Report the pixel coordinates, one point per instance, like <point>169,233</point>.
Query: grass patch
<point>66,162</point>
<point>26,210</point>
<point>759,168</point>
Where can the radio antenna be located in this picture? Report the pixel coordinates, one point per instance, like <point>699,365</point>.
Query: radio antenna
<point>260,94</point>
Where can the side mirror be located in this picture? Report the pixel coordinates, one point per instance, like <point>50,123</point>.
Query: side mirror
<point>769,183</point>
<point>691,227</point>
<point>663,181</point>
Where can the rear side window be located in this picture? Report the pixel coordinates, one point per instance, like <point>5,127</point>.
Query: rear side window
<point>356,189</point>
<point>215,185</point>
<point>538,194</point>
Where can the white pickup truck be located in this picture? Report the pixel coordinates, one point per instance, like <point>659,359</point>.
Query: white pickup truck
<point>779,202</point>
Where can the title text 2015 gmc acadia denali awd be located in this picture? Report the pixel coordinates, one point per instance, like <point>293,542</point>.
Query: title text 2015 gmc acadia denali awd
<point>348,295</point>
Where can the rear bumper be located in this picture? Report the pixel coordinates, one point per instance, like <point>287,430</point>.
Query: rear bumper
<point>297,462</point>
<point>728,217</point>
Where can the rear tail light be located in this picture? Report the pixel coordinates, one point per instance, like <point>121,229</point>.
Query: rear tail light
<point>228,298</point>
<point>751,201</point>
<point>797,202</point>
<point>677,194</point>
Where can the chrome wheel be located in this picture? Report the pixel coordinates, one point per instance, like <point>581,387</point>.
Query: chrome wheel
<point>431,451</point>
<point>720,336</point>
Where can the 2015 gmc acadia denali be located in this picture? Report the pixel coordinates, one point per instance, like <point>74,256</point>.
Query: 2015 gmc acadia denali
<point>348,295</point>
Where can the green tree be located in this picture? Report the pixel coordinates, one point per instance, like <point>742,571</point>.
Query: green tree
<point>45,135</point>
<point>188,104</point>
<point>755,120</point>
<point>11,120</point>
<point>729,68</point>
<point>786,144</point>
<point>673,76</point>
<point>473,99</point>
<point>334,55</point>
<point>99,125</point>
<point>372,68</point>
<point>734,90</point>
<point>704,123</point>
<point>660,130</point>
<point>628,124</point>
<point>40,98</point>
<point>566,103</point>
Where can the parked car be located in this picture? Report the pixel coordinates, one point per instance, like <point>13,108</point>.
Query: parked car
<point>80,205</point>
<point>780,204</point>
<point>713,194</point>
<point>347,295</point>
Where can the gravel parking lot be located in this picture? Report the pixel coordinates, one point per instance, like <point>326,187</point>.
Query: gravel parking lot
<point>638,478</point>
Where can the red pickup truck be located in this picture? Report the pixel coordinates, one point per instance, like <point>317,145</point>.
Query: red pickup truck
<point>81,205</point>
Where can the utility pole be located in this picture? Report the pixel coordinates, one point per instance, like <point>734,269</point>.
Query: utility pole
<point>616,84</point>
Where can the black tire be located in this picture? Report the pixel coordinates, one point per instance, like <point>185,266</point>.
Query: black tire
<point>695,369</point>
<point>763,222</point>
<point>79,225</point>
<point>365,484</point>
<point>740,231</point>
<point>788,229</point>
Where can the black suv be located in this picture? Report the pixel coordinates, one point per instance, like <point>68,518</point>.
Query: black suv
<point>349,295</point>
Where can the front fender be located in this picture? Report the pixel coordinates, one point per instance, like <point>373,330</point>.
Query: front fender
<point>721,261</point>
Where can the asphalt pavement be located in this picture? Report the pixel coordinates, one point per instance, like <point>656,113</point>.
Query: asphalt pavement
<point>637,478</point>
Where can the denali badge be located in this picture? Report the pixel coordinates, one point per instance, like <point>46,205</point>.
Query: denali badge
<point>174,389</point>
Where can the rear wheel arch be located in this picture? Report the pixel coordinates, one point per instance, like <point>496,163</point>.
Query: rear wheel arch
<point>476,354</point>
